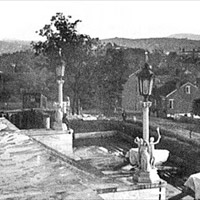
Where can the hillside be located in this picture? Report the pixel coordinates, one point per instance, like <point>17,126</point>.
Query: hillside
<point>13,46</point>
<point>188,36</point>
<point>166,44</point>
<point>172,43</point>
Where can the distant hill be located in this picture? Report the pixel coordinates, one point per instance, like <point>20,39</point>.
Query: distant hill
<point>188,36</point>
<point>166,44</point>
<point>11,46</point>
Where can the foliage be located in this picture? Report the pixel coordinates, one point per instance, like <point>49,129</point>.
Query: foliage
<point>76,51</point>
<point>23,72</point>
<point>135,58</point>
<point>4,95</point>
<point>196,107</point>
<point>166,44</point>
<point>111,77</point>
<point>157,60</point>
<point>95,72</point>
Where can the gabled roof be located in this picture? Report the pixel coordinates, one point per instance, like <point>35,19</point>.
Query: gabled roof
<point>171,86</point>
<point>167,88</point>
<point>134,73</point>
<point>188,82</point>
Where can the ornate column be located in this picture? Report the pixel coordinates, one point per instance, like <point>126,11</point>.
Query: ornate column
<point>60,70</point>
<point>60,93</point>
<point>145,106</point>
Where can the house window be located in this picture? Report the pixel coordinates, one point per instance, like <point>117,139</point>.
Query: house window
<point>187,89</point>
<point>171,103</point>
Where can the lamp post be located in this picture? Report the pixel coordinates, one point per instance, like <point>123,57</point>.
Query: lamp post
<point>60,70</point>
<point>145,80</point>
<point>147,172</point>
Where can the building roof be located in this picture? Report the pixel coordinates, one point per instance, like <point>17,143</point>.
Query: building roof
<point>167,88</point>
<point>134,73</point>
<point>171,86</point>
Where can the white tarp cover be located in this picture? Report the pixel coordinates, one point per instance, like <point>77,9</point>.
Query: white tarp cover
<point>193,183</point>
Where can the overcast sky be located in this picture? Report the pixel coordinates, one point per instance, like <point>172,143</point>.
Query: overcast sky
<point>102,19</point>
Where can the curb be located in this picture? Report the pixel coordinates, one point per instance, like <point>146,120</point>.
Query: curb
<point>99,134</point>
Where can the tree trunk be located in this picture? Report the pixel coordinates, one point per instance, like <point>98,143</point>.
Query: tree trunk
<point>73,104</point>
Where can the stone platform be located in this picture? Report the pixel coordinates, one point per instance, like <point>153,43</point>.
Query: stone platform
<point>32,167</point>
<point>30,171</point>
<point>110,167</point>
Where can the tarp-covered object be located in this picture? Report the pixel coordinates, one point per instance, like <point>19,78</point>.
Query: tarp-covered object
<point>193,183</point>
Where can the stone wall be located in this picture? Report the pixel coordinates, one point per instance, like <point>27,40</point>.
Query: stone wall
<point>184,152</point>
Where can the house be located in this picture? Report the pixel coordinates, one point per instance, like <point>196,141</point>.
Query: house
<point>170,98</point>
<point>194,53</point>
<point>131,99</point>
<point>175,97</point>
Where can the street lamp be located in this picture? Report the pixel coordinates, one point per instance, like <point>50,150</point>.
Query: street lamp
<point>60,71</point>
<point>146,173</point>
<point>145,82</point>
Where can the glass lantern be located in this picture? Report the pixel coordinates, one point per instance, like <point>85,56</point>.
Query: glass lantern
<point>145,81</point>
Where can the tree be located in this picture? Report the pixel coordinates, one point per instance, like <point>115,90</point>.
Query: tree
<point>77,53</point>
<point>196,107</point>
<point>111,77</point>
<point>23,72</point>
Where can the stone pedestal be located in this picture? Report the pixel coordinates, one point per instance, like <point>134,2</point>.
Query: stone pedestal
<point>146,177</point>
<point>58,126</point>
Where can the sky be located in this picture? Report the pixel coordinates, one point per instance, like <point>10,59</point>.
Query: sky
<point>103,19</point>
